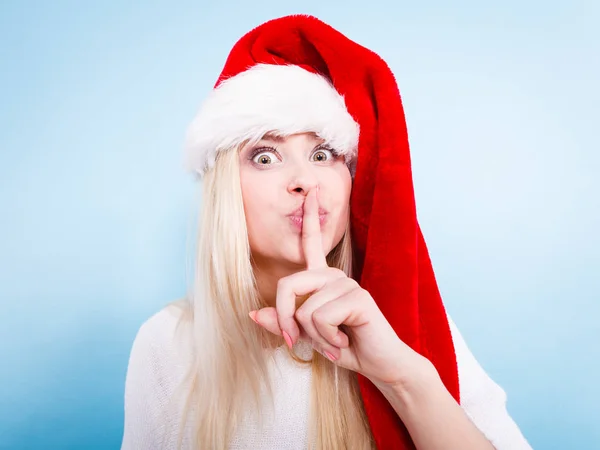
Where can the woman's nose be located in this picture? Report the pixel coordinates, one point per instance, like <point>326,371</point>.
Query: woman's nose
<point>302,181</point>
<point>301,187</point>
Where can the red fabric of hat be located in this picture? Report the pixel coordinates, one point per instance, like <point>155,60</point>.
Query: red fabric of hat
<point>392,260</point>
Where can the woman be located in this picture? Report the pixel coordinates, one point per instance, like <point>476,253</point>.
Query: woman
<point>308,241</point>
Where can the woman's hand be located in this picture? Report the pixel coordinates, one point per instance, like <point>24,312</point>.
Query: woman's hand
<point>365,343</point>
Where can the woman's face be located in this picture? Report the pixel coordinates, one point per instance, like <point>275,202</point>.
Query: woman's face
<point>276,174</point>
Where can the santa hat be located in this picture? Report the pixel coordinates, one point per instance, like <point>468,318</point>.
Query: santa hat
<point>297,74</point>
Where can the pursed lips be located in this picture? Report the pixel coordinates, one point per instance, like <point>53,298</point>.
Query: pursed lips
<point>296,217</point>
<point>300,212</point>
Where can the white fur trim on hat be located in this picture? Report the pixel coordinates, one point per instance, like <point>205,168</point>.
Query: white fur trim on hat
<point>278,99</point>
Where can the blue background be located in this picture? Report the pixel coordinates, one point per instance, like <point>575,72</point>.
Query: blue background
<point>502,104</point>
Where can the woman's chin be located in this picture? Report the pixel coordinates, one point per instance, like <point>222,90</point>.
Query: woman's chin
<point>290,254</point>
<point>293,255</point>
<point>295,258</point>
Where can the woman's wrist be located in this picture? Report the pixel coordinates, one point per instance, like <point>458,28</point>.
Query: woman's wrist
<point>419,383</point>
<point>431,415</point>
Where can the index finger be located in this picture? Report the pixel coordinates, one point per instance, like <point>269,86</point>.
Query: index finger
<point>312,244</point>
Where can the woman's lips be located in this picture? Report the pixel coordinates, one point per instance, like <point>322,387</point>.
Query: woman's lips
<point>297,221</point>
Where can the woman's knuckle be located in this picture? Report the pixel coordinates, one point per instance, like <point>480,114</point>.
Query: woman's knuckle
<point>353,283</point>
<point>318,316</point>
<point>283,283</point>
<point>302,315</point>
<point>337,272</point>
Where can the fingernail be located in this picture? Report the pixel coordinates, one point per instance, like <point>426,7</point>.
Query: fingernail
<point>252,315</point>
<point>330,356</point>
<point>288,339</point>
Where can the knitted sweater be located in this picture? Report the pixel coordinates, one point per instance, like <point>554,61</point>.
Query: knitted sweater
<point>157,364</point>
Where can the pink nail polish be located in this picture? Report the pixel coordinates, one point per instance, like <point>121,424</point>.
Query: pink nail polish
<point>330,356</point>
<point>288,339</point>
<point>252,315</point>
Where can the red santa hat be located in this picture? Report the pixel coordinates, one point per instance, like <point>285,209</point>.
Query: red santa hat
<point>297,74</point>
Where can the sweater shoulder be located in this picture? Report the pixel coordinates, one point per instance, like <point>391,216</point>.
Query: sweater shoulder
<point>161,326</point>
<point>165,328</point>
<point>161,349</point>
<point>158,364</point>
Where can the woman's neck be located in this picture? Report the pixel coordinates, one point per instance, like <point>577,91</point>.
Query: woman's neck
<point>267,276</point>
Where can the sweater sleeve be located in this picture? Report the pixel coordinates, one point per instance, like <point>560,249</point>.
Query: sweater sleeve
<point>142,428</point>
<point>154,371</point>
<point>483,400</point>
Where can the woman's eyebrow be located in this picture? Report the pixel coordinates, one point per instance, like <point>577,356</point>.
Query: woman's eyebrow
<point>281,139</point>
<point>273,138</point>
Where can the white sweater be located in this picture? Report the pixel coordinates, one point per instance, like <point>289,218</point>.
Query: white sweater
<point>157,363</point>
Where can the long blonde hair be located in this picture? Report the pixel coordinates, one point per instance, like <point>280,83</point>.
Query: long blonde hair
<point>229,365</point>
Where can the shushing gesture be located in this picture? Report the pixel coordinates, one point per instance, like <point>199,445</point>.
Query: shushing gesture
<point>366,344</point>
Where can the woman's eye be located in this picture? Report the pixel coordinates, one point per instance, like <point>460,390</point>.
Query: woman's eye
<point>322,154</point>
<point>264,158</point>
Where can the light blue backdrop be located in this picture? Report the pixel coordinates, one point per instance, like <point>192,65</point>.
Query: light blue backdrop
<point>502,104</point>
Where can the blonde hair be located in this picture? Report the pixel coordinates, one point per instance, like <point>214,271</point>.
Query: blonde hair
<point>229,365</point>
